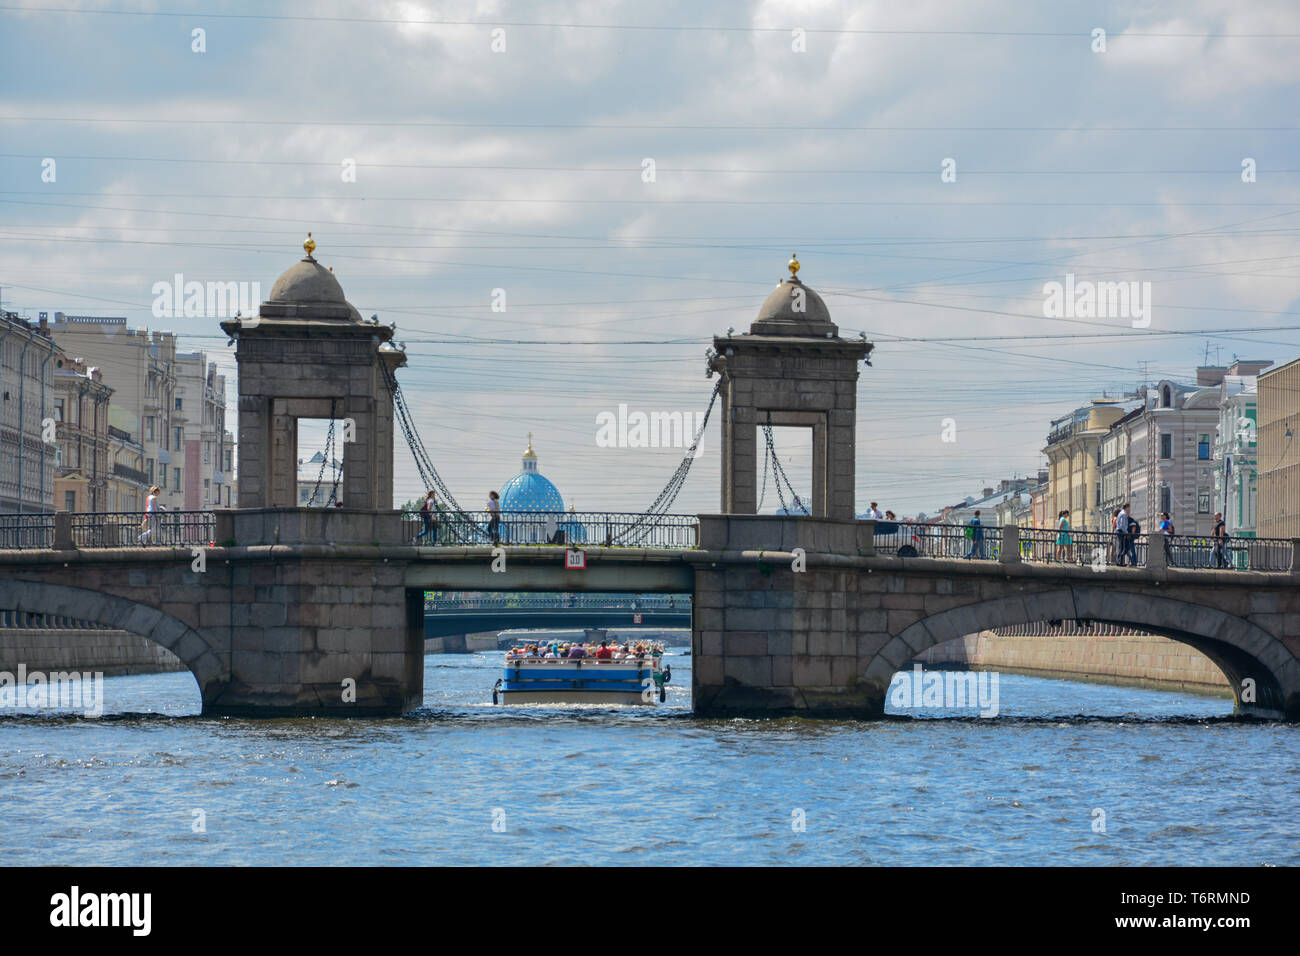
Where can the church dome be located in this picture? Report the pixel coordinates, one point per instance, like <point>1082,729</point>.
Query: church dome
<point>530,490</point>
<point>307,281</point>
<point>308,291</point>
<point>793,308</point>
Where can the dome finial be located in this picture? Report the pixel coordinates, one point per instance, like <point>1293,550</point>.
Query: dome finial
<point>309,244</point>
<point>530,453</point>
<point>793,265</point>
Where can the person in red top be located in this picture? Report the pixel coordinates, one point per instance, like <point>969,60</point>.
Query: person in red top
<point>604,652</point>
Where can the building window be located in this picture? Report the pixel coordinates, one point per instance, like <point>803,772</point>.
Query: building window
<point>1099,495</point>
<point>148,428</point>
<point>148,470</point>
<point>1166,506</point>
<point>1166,397</point>
<point>69,501</point>
<point>1203,448</point>
<point>1202,502</point>
<point>1166,445</point>
<point>176,473</point>
<point>207,452</point>
<point>58,409</point>
<point>178,404</point>
<point>179,440</point>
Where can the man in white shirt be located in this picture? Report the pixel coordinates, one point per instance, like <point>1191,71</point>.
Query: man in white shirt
<point>1121,537</point>
<point>873,513</point>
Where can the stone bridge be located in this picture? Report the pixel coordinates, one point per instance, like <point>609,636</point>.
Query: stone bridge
<point>304,612</point>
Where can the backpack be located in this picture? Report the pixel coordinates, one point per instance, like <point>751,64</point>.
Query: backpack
<point>1133,527</point>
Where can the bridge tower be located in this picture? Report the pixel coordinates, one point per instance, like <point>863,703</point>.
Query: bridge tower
<point>308,354</point>
<point>791,369</point>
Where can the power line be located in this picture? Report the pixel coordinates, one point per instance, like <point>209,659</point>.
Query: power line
<point>636,169</point>
<point>622,127</point>
<point>653,27</point>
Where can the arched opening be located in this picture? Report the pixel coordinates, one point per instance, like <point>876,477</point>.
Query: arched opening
<point>1263,675</point>
<point>97,655</point>
<point>467,634</point>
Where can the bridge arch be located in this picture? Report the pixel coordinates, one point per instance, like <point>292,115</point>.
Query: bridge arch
<point>39,597</point>
<point>1240,649</point>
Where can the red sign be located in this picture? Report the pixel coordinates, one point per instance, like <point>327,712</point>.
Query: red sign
<point>636,618</point>
<point>575,560</point>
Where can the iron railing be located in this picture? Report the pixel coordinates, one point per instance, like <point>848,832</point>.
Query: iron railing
<point>1096,549</point>
<point>1231,554</point>
<point>570,528</point>
<point>909,539</point>
<point>130,529</point>
<point>570,602</point>
<point>25,532</point>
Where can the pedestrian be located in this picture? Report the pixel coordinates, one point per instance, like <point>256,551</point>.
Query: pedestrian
<point>1064,540</point>
<point>428,517</point>
<point>873,513</point>
<point>975,532</point>
<point>149,523</point>
<point>1118,529</point>
<point>494,517</point>
<point>1220,535</point>
<point>1130,540</point>
<point>1167,530</point>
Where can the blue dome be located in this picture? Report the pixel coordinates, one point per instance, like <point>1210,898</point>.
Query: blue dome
<point>529,490</point>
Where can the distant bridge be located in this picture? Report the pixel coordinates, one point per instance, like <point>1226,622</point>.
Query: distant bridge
<point>451,616</point>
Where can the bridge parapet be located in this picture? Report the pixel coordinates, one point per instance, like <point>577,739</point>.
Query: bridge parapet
<point>785,533</point>
<point>250,527</point>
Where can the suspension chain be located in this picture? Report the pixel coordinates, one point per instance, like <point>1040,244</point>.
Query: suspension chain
<point>637,531</point>
<point>329,453</point>
<point>779,473</point>
<point>640,528</point>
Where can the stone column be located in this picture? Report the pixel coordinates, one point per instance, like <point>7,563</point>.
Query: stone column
<point>822,461</point>
<point>1156,552</point>
<point>1009,552</point>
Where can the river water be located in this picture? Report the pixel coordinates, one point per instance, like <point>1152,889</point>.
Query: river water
<point>1067,773</point>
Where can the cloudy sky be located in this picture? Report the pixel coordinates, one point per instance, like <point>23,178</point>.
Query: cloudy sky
<point>521,168</point>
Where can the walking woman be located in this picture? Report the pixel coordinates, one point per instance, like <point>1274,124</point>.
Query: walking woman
<point>428,515</point>
<point>1064,541</point>
<point>494,517</point>
<point>149,524</point>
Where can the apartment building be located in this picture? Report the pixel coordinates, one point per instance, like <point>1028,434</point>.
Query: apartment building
<point>27,461</point>
<point>140,367</point>
<point>83,464</point>
<point>1278,410</point>
<point>199,430</point>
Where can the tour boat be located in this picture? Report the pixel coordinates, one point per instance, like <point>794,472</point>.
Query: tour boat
<point>584,680</point>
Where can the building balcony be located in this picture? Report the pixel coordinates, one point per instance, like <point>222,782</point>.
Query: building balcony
<point>130,474</point>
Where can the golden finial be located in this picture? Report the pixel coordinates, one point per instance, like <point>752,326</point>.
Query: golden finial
<point>530,453</point>
<point>793,265</point>
<point>309,244</point>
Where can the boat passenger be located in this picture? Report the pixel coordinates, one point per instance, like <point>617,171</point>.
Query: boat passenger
<point>576,652</point>
<point>605,652</point>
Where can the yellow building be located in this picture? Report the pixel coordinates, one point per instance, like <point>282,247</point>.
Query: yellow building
<point>1278,417</point>
<point>80,406</point>
<point>1073,473</point>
